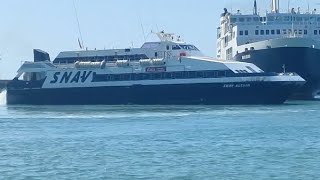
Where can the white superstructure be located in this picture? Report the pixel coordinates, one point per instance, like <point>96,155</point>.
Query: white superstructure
<point>240,32</point>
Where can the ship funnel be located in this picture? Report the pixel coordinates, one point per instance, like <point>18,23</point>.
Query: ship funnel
<point>40,55</point>
<point>275,6</point>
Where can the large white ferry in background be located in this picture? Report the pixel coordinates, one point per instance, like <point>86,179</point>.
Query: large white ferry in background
<point>274,41</point>
<point>169,71</point>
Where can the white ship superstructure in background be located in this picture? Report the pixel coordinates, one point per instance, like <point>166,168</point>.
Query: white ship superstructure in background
<point>169,71</point>
<point>274,41</point>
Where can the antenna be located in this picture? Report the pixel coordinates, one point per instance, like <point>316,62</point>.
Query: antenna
<point>144,35</point>
<point>142,29</point>
<point>79,28</point>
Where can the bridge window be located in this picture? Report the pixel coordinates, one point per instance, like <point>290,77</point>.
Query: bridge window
<point>271,18</point>
<point>272,32</point>
<point>315,32</point>
<point>175,47</point>
<point>241,33</point>
<point>241,19</point>
<point>261,32</point>
<point>246,32</point>
<point>278,31</point>
<point>305,32</point>
<point>256,19</point>
<point>257,32</point>
<point>286,18</point>
<point>192,47</point>
<point>278,18</point>
<point>249,19</point>
<point>233,20</point>
<point>267,32</point>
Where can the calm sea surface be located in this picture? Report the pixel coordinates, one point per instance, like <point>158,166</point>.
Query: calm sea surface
<point>160,142</point>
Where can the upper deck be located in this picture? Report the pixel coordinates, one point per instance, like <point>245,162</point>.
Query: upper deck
<point>168,45</point>
<point>238,29</point>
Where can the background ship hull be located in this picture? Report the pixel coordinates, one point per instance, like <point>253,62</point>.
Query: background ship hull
<point>3,84</point>
<point>212,94</point>
<point>302,60</point>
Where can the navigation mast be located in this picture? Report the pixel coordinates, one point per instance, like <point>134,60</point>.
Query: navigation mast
<point>255,8</point>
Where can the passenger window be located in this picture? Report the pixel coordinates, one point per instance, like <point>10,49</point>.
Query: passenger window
<point>157,76</point>
<point>178,75</point>
<point>200,75</point>
<point>192,74</point>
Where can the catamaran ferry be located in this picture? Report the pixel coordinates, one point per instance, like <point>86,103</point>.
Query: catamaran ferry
<point>169,71</point>
<point>274,41</point>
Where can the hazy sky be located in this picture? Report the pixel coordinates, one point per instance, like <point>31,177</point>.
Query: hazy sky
<point>51,25</point>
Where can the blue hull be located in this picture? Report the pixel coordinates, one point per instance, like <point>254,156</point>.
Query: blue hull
<point>303,61</point>
<point>187,94</point>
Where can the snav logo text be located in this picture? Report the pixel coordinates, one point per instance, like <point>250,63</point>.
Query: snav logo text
<point>71,77</point>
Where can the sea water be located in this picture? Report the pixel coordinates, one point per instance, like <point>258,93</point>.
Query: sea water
<point>160,142</point>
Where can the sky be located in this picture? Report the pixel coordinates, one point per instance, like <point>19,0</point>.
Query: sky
<point>51,25</point>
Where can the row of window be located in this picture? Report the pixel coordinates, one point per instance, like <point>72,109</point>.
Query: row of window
<point>273,18</point>
<point>278,32</point>
<point>160,76</point>
<point>135,57</point>
<point>171,75</point>
<point>164,75</point>
<point>185,47</point>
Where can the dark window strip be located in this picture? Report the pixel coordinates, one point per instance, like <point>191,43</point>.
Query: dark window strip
<point>173,75</point>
